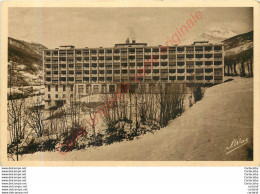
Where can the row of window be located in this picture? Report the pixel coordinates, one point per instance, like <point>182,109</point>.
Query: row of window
<point>132,50</point>
<point>148,57</point>
<point>146,78</point>
<point>125,71</point>
<point>125,65</point>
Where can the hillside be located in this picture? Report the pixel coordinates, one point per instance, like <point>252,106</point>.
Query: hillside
<point>239,54</point>
<point>203,133</point>
<point>25,62</point>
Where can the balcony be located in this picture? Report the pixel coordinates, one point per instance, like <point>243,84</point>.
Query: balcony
<point>181,74</point>
<point>190,74</point>
<point>47,75</point>
<point>189,51</point>
<point>217,51</point>
<point>164,67</point>
<point>47,62</point>
<point>172,59</point>
<point>209,73</point>
<point>217,59</point>
<point>70,54</point>
<point>132,60</point>
<point>108,54</point>
<point>164,60</point>
<point>62,75</point>
<point>116,54</point>
<point>147,53</point>
<point>199,51</point>
<point>180,59</point>
<point>62,54</point>
<point>63,82</point>
<point>93,61</point>
<point>55,75</point>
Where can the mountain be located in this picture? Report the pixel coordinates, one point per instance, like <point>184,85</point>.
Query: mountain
<point>239,54</point>
<point>217,35</point>
<point>212,34</point>
<point>24,62</point>
<point>239,43</point>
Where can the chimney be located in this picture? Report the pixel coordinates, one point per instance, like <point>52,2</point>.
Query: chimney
<point>133,41</point>
<point>127,41</point>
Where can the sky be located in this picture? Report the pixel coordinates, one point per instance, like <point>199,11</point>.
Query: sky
<point>103,27</point>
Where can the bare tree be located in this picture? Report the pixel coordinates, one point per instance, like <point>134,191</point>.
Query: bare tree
<point>17,122</point>
<point>36,118</point>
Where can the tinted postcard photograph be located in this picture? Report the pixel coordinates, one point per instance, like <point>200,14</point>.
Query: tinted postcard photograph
<point>128,84</point>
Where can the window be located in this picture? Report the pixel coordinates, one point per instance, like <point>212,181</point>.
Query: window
<point>49,96</point>
<point>49,88</point>
<point>64,88</point>
<point>87,89</point>
<point>56,88</point>
<point>71,88</point>
<point>64,96</point>
<point>95,89</point>
<point>56,96</point>
<point>80,88</point>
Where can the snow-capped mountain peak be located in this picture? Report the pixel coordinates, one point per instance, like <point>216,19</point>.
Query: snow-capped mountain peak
<point>218,34</point>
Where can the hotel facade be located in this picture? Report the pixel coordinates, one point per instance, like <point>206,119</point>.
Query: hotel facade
<point>70,71</point>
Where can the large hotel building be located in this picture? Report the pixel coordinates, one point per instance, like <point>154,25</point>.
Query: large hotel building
<point>69,70</point>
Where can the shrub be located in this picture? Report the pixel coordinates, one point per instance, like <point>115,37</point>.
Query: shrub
<point>198,94</point>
